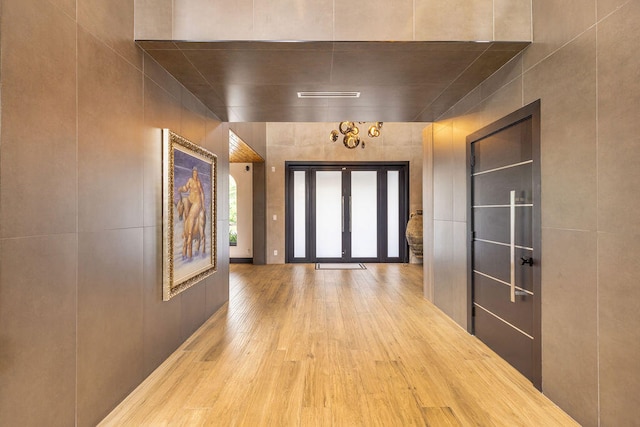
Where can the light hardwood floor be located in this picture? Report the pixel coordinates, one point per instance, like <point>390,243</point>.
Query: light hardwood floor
<point>300,347</point>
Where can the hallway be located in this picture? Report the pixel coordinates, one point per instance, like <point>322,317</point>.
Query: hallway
<point>296,346</point>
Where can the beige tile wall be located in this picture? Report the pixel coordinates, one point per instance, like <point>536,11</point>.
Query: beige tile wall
<point>455,20</point>
<point>158,21</point>
<point>512,20</point>
<point>38,334</point>
<point>310,142</point>
<point>582,67</point>
<point>342,20</point>
<point>569,299</point>
<point>81,308</point>
<point>618,225</point>
<point>38,121</point>
<point>566,82</point>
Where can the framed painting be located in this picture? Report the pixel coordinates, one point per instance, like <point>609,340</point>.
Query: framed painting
<point>188,213</point>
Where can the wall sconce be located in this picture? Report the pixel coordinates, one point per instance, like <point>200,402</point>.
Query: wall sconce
<point>352,133</point>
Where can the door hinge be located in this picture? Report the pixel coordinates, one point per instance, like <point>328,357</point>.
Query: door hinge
<point>473,161</point>
<point>473,311</point>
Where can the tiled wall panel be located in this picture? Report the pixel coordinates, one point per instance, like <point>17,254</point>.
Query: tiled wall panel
<point>38,162</point>
<point>582,70</point>
<point>80,214</point>
<point>343,20</point>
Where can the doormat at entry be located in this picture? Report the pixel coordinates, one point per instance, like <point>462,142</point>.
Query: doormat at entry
<point>340,266</point>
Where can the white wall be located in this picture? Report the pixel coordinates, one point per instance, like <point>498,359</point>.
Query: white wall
<point>244,181</point>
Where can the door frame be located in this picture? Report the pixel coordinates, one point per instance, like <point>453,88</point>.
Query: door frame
<point>401,166</point>
<point>530,111</point>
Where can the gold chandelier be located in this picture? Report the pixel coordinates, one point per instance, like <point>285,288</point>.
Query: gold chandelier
<point>352,133</point>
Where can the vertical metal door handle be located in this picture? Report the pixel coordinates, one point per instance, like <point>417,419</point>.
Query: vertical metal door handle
<point>350,214</point>
<point>342,214</point>
<point>512,243</point>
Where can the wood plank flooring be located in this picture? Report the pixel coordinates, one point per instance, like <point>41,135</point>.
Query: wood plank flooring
<point>297,346</point>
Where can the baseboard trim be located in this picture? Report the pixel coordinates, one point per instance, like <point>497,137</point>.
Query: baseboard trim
<point>241,260</point>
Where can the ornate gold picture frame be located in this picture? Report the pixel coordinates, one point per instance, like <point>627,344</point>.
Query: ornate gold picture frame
<point>188,213</point>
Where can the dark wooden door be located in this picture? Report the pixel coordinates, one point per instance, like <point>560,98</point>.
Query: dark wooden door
<point>504,206</point>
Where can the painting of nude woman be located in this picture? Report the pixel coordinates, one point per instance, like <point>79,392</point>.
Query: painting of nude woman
<point>188,214</point>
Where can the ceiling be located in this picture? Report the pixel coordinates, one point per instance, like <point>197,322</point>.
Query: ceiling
<point>241,152</point>
<point>252,81</point>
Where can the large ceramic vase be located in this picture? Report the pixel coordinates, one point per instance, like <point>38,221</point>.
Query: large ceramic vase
<point>414,233</point>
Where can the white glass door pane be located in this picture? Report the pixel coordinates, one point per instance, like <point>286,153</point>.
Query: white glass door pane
<point>299,214</point>
<point>329,214</point>
<point>364,214</point>
<point>393,214</point>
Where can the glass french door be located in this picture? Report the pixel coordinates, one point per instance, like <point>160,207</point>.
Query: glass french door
<point>329,214</point>
<point>346,212</point>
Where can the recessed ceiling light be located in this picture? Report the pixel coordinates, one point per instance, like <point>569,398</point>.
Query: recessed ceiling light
<point>343,94</point>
